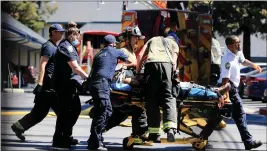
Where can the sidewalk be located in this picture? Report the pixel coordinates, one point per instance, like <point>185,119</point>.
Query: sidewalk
<point>17,90</point>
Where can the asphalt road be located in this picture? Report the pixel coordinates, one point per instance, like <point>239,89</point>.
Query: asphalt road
<point>40,136</point>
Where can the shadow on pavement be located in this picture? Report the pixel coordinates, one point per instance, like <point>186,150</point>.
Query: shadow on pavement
<point>19,141</point>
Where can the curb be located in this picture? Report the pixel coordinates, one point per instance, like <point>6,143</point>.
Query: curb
<point>16,90</point>
<point>263,111</point>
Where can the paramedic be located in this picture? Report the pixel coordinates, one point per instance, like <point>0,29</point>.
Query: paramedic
<point>103,70</point>
<point>66,77</point>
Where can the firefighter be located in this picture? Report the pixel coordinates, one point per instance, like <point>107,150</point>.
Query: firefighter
<point>66,77</point>
<point>45,96</point>
<point>103,70</point>
<point>161,57</point>
<point>131,35</point>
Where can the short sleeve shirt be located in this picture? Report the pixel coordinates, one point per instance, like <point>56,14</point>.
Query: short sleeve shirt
<point>230,68</point>
<point>105,62</point>
<point>48,50</point>
<point>157,51</point>
<point>241,56</point>
<point>66,52</point>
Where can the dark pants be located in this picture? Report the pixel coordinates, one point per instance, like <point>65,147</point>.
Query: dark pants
<point>42,103</point>
<point>238,115</point>
<point>139,118</point>
<point>158,92</point>
<point>103,109</point>
<point>69,111</point>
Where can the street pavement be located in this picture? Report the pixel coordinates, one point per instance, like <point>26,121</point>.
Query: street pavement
<point>39,137</point>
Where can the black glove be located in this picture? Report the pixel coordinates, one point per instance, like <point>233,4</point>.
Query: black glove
<point>37,89</point>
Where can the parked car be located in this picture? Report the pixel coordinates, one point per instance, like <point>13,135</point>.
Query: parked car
<point>255,86</point>
<point>244,73</point>
<point>264,98</point>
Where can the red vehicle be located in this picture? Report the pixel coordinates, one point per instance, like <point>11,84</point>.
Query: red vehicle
<point>91,42</point>
<point>255,85</point>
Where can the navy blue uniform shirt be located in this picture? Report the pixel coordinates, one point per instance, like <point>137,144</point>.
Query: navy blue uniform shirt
<point>48,50</point>
<point>174,35</point>
<point>63,73</point>
<point>105,62</point>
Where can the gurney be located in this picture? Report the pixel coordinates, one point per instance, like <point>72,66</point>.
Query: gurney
<point>190,96</point>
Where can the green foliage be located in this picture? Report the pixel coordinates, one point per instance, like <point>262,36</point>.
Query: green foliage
<point>29,13</point>
<point>236,17</point>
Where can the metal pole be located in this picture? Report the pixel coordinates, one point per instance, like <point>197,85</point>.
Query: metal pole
<point>28,57</point>
<point>81,53</point>
<point>35,59</point>
<point>19,70</point>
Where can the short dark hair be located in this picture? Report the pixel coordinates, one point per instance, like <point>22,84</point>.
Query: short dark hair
<point>230,40</point>
<point>50,31</point>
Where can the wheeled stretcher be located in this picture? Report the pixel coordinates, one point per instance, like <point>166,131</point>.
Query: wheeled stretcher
<point>188,95</point>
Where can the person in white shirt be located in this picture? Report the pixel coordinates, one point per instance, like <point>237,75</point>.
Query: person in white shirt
<point>230,73</point>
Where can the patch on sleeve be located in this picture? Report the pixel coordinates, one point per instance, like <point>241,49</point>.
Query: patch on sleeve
<point>227,65</point>
<point>70,48</point>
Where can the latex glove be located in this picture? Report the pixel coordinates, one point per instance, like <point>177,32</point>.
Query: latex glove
<point>37,89</point>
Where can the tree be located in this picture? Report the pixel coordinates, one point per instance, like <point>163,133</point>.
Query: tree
<point>31,14</point>
<point>247,17</point>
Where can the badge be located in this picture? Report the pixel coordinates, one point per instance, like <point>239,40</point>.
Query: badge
<point>70,48</point>
<point>227,65</point>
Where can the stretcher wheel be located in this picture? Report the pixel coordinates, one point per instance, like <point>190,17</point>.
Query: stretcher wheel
<point>199,145</point>
<point>128,143</point>
<point>222,125</point>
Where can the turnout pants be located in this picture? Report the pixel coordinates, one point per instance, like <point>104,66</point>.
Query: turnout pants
<point>69,111</point>
<point>101,94</point>
<point>42,103</point>
<point>158,93</point>
<point>238,115</point>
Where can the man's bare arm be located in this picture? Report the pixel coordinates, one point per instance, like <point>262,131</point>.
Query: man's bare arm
<point>251,64</point>
<point>174,58</point>
<point>77,69</point>
<point>42,64</point>
<point>143,54</point>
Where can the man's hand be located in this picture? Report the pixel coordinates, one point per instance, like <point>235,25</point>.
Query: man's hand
<point>37,89</point>
<point>221,101</point>
<point>258,68</point>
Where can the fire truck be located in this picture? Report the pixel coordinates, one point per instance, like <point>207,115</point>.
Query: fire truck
<point>195,34</point>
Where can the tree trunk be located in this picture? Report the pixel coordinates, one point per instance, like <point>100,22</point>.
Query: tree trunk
<point>246,42</point>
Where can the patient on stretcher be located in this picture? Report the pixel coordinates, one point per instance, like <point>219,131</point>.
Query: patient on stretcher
<point>196,91</point>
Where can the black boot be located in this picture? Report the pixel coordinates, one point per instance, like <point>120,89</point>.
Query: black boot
<point>61,143</point>
<point>18,130</point>
<point>154,137</point>
<point>253,144</point>
<point>74,141</point>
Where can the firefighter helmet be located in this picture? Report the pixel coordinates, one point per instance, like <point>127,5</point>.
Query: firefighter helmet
<point>132,31</point>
